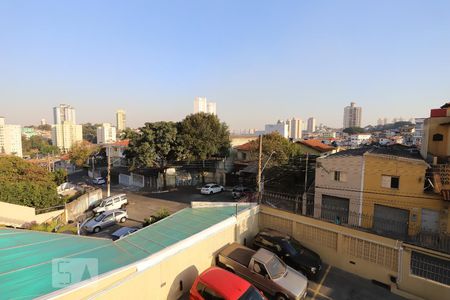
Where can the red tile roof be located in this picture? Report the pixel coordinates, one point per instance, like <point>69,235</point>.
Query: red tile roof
<point>317,145</point>
<point>249,146</point>
<point>123,143</point>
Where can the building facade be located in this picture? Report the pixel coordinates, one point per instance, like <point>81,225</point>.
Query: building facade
<point>281,127</point>
<point>202,105</point>
<point>295,128</point>
<point>10,138</point>
<point>106,134</point>
<point>63,113</point>
<point>121,120</point>
<point>352,116</point>
<point>311,125</point>
<point>66,134</point>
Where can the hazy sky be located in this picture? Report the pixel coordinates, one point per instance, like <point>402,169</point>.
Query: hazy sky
<point>259,60</point>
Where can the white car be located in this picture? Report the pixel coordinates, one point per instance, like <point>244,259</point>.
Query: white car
<point>106,219</point>
<point>110,203</point>
<point>211,188</point>
<point>99,180</point>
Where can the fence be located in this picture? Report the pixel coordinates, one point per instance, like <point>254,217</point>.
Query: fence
<point>384,226</point>
<point>78,207</point>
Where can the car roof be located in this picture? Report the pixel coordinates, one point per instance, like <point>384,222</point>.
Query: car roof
<point>224,282</point>
<point>123,230</point>
<point>108,212</point>
<point>263,255</point>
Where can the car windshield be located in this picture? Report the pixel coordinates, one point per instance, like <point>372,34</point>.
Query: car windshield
<point>99,218</point>
<point>276,268</point>
<point>251,294</point>
<point>293,247</point>
<point>102,203</point>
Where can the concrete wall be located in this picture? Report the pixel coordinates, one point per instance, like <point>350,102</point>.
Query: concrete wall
<point>353,167</point>
<point>79,206</point>
<point>436,148</point>
<point>19,215</point>
<point>361,253</point>
<point>162,275</point>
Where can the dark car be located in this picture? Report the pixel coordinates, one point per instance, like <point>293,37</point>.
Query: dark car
<point>122,232</point>
<point>290,251</point>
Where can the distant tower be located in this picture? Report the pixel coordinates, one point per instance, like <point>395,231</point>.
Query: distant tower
<point>295,128</point>
<point>211,108</point>
<point>311,125</point>
<point>65,131</point>
<point>201,105</point>
<point>63,113</point>
<point>352,116</point>
<point>121,120</point>
<point>43,122</point>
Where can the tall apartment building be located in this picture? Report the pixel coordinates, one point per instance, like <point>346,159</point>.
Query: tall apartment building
<point>281,127</point>
<point>201,104</point>
<point>106,134</point>
<point>65,132</point>
<point>62,113</point>
<point>352,116</point>
<point>295,128</point>
<point>121,120</point>
<point>311,127</point>
<point>10,138</point>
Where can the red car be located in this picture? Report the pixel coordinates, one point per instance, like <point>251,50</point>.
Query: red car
<point>217,284</point>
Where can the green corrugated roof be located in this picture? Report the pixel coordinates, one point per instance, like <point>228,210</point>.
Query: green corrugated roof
<point>26,256</point>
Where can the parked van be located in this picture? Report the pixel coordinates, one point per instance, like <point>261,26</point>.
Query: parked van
<point>110,203</point>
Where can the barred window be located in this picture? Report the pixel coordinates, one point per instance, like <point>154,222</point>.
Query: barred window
<point>430,267</point>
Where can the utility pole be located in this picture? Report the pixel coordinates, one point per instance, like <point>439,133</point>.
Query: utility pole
<point>305,197</point>
<point>258,178</point>
<point>108,179</point>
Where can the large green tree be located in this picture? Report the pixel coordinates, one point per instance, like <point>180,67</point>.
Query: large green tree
<point>278,148</point>
<point>354,130</point>
<point>80,152</point>
<point>26,184</point>
<point>156,145</point>
<point>38,145</point>
<point>90,132</point>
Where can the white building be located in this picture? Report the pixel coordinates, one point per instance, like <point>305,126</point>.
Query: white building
<point>352,116</point>
<point>201,105</point>
<point>359,139</point>
<point>311,125</point>
<point>281,127</point>
<point>43,122</point>
<point>121,120</point>
<point>62,113</point>
<point>10,138</point>
<point>66,134</point>
<point>106,134</point>
<point>295,128</point>
<point>418,131</point>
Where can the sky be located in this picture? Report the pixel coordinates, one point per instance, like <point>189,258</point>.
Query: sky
<point>260,61</point>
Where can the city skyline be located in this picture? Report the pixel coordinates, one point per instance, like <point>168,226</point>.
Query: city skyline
<point>278,60</point>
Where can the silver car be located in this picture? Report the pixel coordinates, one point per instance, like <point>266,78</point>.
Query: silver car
<point>105,219</point>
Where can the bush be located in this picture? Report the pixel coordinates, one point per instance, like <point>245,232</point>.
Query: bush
<point>161,214</point>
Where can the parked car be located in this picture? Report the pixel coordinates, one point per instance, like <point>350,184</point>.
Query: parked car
<point>265,271</point>
<point>98,180</point>
<point>217,283</point>
<point>123,232</point>
<point>241,191</point>
<point>110,203</point>
<point>211,188</point>
<point>290,251</point>
<point>105,219</point>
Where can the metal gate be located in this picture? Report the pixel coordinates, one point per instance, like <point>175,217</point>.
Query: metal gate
<point>335,209</point>
<point>391,221</point>
<point>430,220</point>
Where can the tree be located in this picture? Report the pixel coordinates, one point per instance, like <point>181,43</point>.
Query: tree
<point>59,176</point>
<point>353,130</point>
<point>46,127</point>
<point>28,184</point>
<point>156,145</point>
<point>38,145</point>
<point>90,132</point>
<point>80,152</point>
<point>278,148</point>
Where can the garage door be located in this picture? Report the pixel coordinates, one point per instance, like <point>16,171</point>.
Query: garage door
<point>391,221</point>
<point>335,209</point>
<point>430,220</point>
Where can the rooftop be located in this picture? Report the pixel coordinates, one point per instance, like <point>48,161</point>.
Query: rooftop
<point>249,146</point>
<point>317,145</point>
<point>393,150</point>
<point>26,256</point>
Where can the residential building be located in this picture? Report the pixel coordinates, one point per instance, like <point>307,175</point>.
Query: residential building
<point>311,127</point>
<point>211,108</point>
<point>295,128</point>
<point>121,120</point>
<point>357,140</point>
<point>106,134</point>
<point>352,116</point>
<point>315,147</point>
<point>380,188</point>
<point>201,104</point>
<point>281,127</point>
<point>117,152</point>
<point>240,139</point>
<point>66,134</point>
<point>29,132</point>
<point>10,138</point>
<point>62,113</point>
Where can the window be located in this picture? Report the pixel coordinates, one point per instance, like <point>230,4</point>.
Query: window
<point>339,176</point>
<point>259,268</point>
<point>390,182</point>
<point>207,293</point>
<point>438,137</point>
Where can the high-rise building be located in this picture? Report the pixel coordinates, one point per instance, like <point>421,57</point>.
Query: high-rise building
<point>43,122</point>
<point>281,127</point>
<point>10,138</point>
<point>201,105</point>
<point>62,113</point>
<point>295,128</point>
<point>352,116</point>
<point>65,132</point>
<point>106,134</point>
<point>311,125</point>
<point>121,120</point>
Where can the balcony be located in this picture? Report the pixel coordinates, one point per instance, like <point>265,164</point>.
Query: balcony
<point>440,178</point>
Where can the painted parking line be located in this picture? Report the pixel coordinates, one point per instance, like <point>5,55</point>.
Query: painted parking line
<point>317,290</point>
